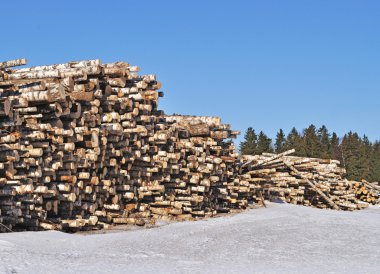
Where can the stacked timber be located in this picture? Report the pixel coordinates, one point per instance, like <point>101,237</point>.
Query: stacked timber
<point>73,139</point>
<point>367,192</point>
<point>195,167</point>
<point>306,181</point>
<point>84,146</point>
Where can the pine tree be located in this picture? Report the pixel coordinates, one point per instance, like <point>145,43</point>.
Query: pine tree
<point>280,141</point>
<point>324,142</point>
<point>264,143</point>
<point>249,145</point>
<point>312,144</point>
<point>294,140</point>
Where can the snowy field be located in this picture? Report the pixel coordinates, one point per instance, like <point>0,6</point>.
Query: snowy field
<point>279,239</point>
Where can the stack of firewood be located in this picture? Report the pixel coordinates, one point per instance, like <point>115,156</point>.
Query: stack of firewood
<point>74,138</point>
<point>367,192</point>
<point>306,181</point>
<point>85,146</point>
<point>194,165</point>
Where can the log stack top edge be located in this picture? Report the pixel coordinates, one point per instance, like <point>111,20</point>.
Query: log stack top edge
<point>13,63</point>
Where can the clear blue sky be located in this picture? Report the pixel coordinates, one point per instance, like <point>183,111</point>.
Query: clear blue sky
<point>266,64</point>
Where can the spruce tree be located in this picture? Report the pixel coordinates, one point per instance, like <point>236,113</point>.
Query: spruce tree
<point>312,144</point>
<point>366,152</point>
<point>335,151</point>
<point>249,145</point>
<point>264,143</point>
<point>280,141</point>
<point>354,159</point>
<point>295,140</point>
<point>374,167</point>
<point>324,142</point>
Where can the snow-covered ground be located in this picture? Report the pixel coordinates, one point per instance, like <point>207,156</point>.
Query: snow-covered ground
<point>279,239</point>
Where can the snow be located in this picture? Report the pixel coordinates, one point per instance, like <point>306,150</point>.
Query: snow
<point>279,239</point>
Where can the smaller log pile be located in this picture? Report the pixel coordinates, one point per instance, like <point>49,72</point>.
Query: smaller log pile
<point>195,166</point>
<point>366,191</point>
<point>306,181</point>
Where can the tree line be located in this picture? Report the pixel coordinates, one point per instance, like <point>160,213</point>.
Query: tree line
<point>358,155</point>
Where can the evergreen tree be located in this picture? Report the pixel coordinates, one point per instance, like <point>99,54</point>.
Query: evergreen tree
<point>280,141</point>
<point>335,151</point>
<point>295,140</point>
<point>324,142</point>
<point>366,151</point>
<point>312,144</point>
<point>264,143</point>
<point>374,166</point>
<point>353,156</point>
<point>249,145</point>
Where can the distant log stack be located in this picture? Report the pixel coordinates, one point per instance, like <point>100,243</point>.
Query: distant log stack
<point>307,181</point>
<point>367,192</point>
<point>84,146</point>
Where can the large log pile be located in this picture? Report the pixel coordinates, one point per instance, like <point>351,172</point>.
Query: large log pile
<point>307,181</point>
<point>83,145</point>
<point>74,139</point>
